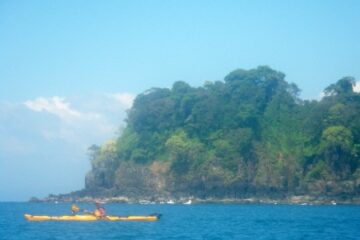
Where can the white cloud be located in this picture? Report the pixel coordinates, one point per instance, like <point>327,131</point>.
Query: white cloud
<point>125,99</point>
<point>356,88</point>
<point>54,105</point>
<point>82,120</point>
<point>321,95</point>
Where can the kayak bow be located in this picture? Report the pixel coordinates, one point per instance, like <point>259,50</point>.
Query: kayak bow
<point>29,217</point>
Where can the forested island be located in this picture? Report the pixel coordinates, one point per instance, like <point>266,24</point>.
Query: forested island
<point>249,136</point>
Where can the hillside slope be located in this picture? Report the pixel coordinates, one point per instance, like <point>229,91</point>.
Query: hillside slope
<point>249,135</point>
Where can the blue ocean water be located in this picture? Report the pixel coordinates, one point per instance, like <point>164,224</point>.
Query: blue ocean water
<point>209,221</point>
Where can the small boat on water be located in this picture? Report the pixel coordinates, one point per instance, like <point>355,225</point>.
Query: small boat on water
<point>153,217</point>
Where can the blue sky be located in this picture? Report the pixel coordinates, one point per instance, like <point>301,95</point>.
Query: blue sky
<point>70,69</point>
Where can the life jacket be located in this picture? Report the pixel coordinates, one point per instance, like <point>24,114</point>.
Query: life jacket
<point>99,212</point>
<point>74,208</point>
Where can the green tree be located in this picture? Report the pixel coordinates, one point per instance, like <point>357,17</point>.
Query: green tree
<point>336,147</point>
<point>342,87</point>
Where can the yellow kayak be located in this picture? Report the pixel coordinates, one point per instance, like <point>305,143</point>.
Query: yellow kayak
<point>90,218</point>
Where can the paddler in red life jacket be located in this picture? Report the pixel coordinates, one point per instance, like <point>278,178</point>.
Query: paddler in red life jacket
<point>99,212</point>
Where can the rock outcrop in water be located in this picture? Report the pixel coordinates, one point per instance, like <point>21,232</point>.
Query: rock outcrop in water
<point>250,136</point>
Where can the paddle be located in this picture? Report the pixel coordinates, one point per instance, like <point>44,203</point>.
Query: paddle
<point>87,212</point>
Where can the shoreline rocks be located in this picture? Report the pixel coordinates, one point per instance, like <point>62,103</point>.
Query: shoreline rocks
<point>291,200</point>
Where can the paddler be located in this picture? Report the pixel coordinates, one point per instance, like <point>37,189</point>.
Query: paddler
<point>99,211</point>
<point>74,209</point>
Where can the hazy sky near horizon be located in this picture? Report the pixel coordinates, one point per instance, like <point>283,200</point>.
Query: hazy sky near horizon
<point>70,69</point>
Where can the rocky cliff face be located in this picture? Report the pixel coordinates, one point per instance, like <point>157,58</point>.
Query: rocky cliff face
<point>155,181</point>
<point>131,180</point>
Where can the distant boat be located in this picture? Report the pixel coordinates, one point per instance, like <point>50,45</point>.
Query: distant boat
<point>170,202</point>
<point>188,202</point>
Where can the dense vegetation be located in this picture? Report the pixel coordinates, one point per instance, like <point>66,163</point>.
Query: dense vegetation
<point>248,135</point>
